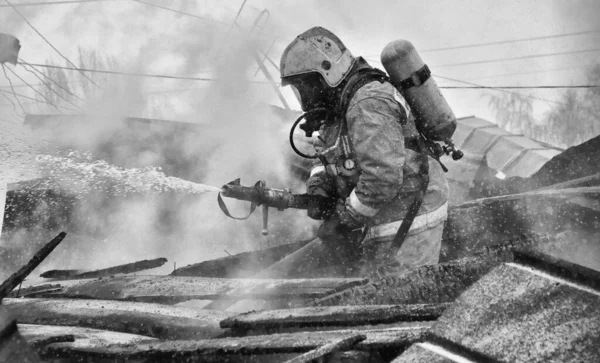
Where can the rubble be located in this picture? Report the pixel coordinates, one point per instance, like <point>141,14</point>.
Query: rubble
<point>493,297</point>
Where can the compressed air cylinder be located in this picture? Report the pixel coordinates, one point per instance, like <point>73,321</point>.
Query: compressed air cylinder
<point>412,78</point>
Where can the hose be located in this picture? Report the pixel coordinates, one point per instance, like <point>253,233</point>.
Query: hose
<point>310,129</point>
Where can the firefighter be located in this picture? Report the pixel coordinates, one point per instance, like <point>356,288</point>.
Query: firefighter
<point>369,159</point>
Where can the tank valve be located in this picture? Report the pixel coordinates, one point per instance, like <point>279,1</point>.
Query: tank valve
<point>449,148</point>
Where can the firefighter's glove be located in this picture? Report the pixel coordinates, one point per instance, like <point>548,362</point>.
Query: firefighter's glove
<point>321,205</point>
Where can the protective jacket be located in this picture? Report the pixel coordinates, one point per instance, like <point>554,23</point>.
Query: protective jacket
<point>385,178</point>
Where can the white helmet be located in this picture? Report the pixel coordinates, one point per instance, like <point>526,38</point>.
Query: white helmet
<point>317,50</point>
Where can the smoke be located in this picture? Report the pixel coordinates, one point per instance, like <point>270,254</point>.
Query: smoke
<point>231,133</point>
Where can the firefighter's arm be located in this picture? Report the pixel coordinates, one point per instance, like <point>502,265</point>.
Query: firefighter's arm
<point>319,184</point>
<point>378,143</point>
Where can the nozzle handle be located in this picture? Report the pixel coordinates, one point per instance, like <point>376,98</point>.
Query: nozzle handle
<point>265,213</point>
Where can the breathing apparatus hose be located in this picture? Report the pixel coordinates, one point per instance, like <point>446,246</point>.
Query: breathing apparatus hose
<point>311,126</point>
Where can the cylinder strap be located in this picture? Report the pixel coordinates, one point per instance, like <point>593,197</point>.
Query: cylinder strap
<point>226,211</point>
<point>416,79</point>
<point>258,187</point>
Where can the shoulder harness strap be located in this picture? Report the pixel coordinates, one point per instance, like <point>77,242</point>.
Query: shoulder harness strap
<point>356,81</point>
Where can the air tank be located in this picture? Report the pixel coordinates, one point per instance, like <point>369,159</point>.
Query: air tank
<point>409,74</point>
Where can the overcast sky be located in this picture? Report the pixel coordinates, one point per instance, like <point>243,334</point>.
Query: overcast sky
<point>152,40</point>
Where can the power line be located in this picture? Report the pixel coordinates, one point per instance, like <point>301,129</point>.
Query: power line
<point>54,3</point>
<point>532,72</point>
<point>500,90</point>
<point>516,58</point>
<point>505,41</point>
<point>47,41</point>
<point>473,86</point>
<point>137,74</point>
<point>180,12</point>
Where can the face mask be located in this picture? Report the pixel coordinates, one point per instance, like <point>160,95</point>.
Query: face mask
<point>310,91</point>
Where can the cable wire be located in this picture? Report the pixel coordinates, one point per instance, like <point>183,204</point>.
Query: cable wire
<point>137,74</point>
<point>47,41</point>
<point>500,90</point>
<point>516,58</point>
<point>532,72</point>
<point>505,41</point>
<point>54,3</point>
<point>180,12</point>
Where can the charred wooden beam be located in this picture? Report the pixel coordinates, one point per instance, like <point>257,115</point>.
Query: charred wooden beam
<point>240,265</point>
<point>174,289</point>
<point>123,269</point>
<point>153,320</point>
<point>33,290</point>
<point>37,344</point>
<point>15,279</point>
<point>334,316</point>
<point>224,349</point>
<point>36,335</point>
<point>335,346</point>
<point>60,274</point>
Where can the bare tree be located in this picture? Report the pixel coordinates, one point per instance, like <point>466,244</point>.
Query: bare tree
<point>575,119</point>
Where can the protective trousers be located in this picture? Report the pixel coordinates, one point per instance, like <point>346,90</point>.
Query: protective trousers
<point>421,246</point>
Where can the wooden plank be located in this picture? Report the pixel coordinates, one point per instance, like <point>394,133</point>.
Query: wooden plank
<point>396,339</point>
<point>83,337</point>
<point>154,320</point>
<point>173,289</point>
<point>15,279</point>
<point>60,274</point>
<point>334,316</point>
<point>240,265</point>
<point>335,346</point>
<point>105,272</point>
<point>32,290</point>
<point>123,269</point>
